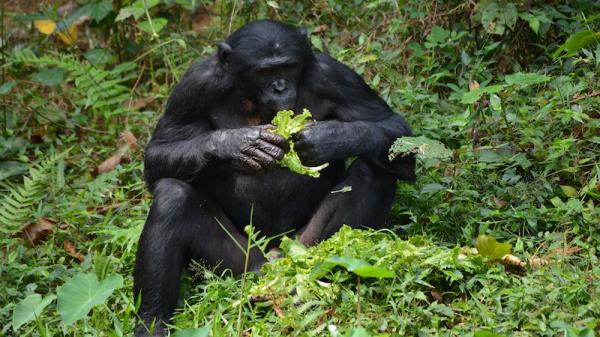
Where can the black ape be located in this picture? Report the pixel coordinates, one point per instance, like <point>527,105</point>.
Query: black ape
<point>212,158</point>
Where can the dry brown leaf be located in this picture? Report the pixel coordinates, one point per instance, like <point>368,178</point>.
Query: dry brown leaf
<point>138,103</point>
<point>511,260</point>
<point>320,28</point>
<point>127,138</point>
<point>109,164</point>
<point>499,202</point>
<point>473,85</point>
<point>71,250</point>
<point>435,294</point>
<point>106,208</point>
<point>37,232</point>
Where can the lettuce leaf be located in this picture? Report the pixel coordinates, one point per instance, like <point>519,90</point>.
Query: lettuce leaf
<point>286,125</point>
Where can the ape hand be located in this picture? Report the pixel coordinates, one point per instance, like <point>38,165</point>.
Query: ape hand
<point>324,141</point>
<point>251,148</point>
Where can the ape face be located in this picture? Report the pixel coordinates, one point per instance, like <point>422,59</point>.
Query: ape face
<point>267,60</point>
<point>273,87</point>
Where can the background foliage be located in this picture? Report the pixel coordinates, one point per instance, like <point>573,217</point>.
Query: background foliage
<point>510,88</point>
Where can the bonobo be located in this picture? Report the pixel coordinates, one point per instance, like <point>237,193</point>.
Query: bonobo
<point>212,159</point>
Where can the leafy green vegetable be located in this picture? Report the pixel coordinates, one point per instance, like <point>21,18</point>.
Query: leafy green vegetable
<point>287,124</point>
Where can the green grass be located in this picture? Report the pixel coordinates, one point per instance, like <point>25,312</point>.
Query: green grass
<point>523,128</point>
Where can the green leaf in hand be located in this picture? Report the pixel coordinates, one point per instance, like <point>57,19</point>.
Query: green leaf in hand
<point>287,124</point>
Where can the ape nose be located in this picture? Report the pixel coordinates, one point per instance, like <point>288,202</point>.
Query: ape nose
<point>279,86</point>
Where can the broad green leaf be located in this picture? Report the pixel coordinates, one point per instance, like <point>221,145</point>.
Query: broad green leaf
<point>524,79</point>
<point>12,168</point>
<point>198,332</point>
<point>158,24</point>
<point>98,10</point>
<point>486,333</point>
<point>6,87</point>
<point>577,42</point>
<point>496,17</point>
<point>292,248</point>
<point>423,147</point>
<point>569,191</point>
<point>357,266</point>
<point>131,11</point>
<point>475,94</point>
<point>359,332</point>
<point>52,76</point>
<point>98,56</point>
<point>83,292</point>
<point>490,248</point>
<point>286,125</point>
<point>29,308</point>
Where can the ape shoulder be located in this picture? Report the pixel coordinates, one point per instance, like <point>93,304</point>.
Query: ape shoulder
<point>355,100</point>
<point>203,86</point>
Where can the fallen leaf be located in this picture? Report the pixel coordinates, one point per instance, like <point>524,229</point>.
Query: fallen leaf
<point>127,138</point>
<point>473,85</point>
<point>320,28</point>
<point>68,36</point>
<point>37,232</point>
<point>71,250</point>
<point>435,294</point>
<point>45,26</point>
<point>109,164</point>
<point>138,103</point>
<point>499,202</point>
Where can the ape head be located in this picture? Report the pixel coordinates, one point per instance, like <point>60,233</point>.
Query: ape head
<point>266,59</point>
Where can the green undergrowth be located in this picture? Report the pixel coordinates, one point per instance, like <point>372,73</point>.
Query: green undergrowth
<point>414,287</point>
<point>503,98</point>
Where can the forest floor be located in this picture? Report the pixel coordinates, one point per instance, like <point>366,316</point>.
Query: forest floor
<point>511,90</point>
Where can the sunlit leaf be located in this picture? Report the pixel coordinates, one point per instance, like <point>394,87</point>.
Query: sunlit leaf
<point>68,36</point>
<point>490,248</point>
<point>577,42</point>
<point>45,26</point>
<point>357,266</point>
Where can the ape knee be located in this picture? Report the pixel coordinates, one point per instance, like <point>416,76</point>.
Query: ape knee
<point>171,195</point>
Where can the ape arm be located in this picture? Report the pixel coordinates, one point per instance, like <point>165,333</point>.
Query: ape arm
<point>361,123</point>
<point>185,143</point>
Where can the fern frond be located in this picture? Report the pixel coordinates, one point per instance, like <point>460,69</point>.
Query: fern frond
<point>100,90</point>
<point>17,205</point>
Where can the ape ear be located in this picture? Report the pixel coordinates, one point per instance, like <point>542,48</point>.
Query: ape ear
<point>224,51</point>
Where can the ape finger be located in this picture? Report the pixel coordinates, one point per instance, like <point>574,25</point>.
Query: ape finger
<point>263,158</point>
<point>274,139</point>
<point>271,149</point>
<point>253,164</point>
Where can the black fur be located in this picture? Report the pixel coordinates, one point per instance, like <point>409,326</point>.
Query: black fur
<point>212,157</point>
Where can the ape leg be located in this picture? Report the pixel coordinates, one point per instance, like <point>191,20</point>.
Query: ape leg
<point>182,225</point>
<point>368,204</point>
